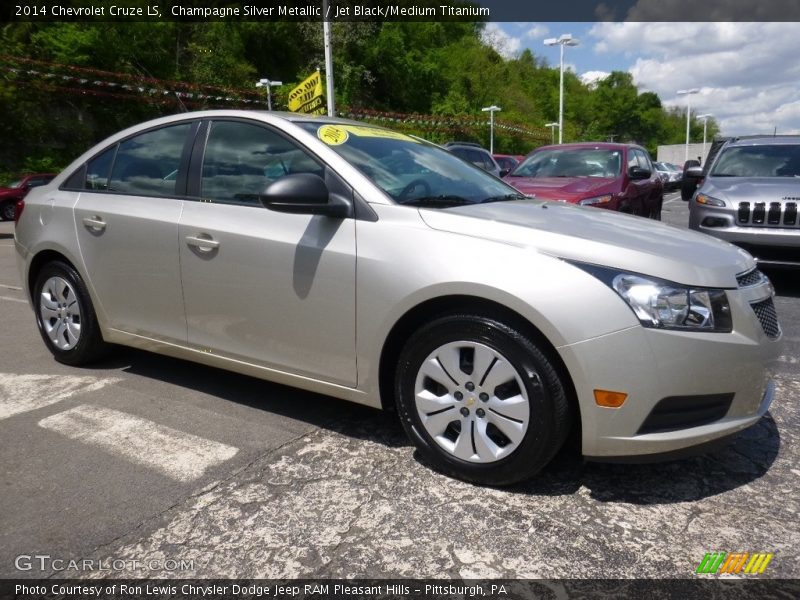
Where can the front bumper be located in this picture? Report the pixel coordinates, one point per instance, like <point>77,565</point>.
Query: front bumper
<point>650,365</point>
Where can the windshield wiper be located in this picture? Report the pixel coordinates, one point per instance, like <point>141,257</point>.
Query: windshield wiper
<point>444,200</point>
<point>505,198</point>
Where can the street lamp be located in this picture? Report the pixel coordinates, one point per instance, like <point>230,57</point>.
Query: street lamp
<point>564,40</point>
<point>491,110</point>
<point>705,118</point>
<point>267,84</point>
<point>688,94</point>
<point>552,127</point>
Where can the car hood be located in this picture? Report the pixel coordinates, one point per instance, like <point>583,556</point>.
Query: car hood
<point>570,189</point>
<point>761,189</point>
<point>7,191</point>
<point>600,237</point>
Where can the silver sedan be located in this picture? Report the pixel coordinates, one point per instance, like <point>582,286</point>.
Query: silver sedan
<point>370,266</point>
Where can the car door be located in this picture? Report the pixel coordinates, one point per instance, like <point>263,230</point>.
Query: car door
<point>126,219</point>
<point>652,187</point>
<point>269,288</point>
<point>637,188</point>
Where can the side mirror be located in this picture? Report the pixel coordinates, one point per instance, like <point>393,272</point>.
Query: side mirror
<point>504,172</point>
<point>639,173</point>
<point>304,193</point>
<point>693,172</point>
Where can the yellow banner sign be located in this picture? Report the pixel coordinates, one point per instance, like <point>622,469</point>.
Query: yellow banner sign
<point>302,98</point>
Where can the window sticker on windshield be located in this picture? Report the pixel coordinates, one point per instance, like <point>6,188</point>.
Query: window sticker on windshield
<point>332,135</point>
<point>360,131</point>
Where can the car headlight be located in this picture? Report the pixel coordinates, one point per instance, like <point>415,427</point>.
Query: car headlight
<point>708,200</point>
<point>662,304</point>
<point>596,200</point>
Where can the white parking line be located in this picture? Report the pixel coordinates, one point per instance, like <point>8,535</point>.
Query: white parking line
<point>10,287</point>
<point>23,393</point>
<point>176,454</point>
<point>10,299</point>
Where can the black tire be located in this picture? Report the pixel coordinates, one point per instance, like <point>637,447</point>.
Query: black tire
<point>7,210</point>
<point>89,345</point>
<point>655,214</point>
<point>550,417</point>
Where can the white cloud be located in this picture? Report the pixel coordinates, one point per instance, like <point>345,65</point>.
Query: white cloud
<point>537,31</point>
<point>505,45</point>
<point>747,72</point>
<point>591,78</point>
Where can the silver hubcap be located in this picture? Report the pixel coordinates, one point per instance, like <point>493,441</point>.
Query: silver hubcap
<point>472,402</point>
<point>61,313</point>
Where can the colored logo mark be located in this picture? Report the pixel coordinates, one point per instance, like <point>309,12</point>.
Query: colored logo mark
<point>734,563</point>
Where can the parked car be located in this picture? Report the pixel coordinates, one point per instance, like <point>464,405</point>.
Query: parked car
<point>617,177</point>
<point>507,162</point>
<point>494,324</point>
<point>671,175</point>
<point>18,189</point>
<point>475,154</point>
<point>749,195</point>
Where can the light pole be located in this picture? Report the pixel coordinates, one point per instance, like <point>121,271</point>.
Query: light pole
<point>552,127</point>
<point>688,94</point>
<point>564,40</point>
<point>491,110</point>
<point>267,84</point>
<point>705,118</point>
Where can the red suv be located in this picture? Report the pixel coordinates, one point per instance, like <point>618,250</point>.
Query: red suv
<point>17,191</point>
<point>614,176</point>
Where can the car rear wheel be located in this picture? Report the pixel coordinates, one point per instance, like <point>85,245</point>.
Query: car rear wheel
<point>7,210</point>
<point>480,400</point>
<point>65,315</point>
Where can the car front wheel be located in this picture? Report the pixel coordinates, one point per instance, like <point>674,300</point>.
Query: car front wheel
<point>481,401</point>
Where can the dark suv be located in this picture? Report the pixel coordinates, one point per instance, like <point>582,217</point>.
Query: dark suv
<point>618,177</point>
<point>17,191</point>
<point>749,195</point>
<point>477,155</point>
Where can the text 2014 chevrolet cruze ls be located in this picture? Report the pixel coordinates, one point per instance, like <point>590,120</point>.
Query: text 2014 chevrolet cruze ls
<point>370,266</point>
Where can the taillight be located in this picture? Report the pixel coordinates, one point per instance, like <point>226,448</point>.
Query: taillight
<point>18,208</point>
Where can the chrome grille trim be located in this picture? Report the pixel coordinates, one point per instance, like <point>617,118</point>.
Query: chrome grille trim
<point>750,278</point>
<point>776,214</point>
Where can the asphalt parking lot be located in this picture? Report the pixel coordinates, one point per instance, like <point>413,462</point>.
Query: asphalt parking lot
<point>146,466</point>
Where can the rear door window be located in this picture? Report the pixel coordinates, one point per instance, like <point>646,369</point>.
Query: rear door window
<point>146,164</point>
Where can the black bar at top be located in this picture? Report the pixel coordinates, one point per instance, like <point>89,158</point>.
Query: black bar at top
<point>403,10</point>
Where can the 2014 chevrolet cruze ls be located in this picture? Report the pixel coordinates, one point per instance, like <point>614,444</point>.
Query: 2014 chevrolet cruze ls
<point>367,265</point>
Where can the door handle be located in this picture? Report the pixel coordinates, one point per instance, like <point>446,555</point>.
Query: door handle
<point>95,223</point>
<point>203,244</point>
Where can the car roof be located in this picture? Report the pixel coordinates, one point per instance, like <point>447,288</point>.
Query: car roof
<point>593,145</point>
<point>762,140</point>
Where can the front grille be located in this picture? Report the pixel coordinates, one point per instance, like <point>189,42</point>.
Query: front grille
<point>765,312</point>
<point>774,214</point>
<point>682,412</point>
<point>750,278</point>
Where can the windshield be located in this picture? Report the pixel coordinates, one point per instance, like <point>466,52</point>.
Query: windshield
<point>15,184</point>
<point>781,160</point>
<point>571,162</point>
<point>409,170</point>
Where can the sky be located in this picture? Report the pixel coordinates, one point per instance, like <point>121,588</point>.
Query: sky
<point>748,74</point>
